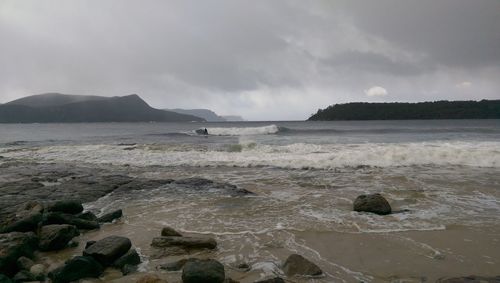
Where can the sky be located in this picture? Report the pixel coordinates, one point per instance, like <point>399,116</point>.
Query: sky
<point>263,60</point>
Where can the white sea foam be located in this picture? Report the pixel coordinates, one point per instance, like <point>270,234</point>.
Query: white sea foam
<point>299,156</point>
<point>245,131</point>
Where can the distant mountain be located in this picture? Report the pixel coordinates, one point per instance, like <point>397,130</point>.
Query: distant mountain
<point>62,108</point>
<point>233,118</point>
<point>206,114</point>
<point>484,109</point>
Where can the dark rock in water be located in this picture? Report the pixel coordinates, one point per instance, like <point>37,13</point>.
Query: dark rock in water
<point>24,263</point>
<point>176,265</point>
<point>128,269</point>
<point>109,217</point>
<point>25,224</point>
<point>374,203</point>
<point>184,242</point>
<point>130,258</point>
<point>150,278</point>
<point>203,271</point>
<point>202,184</point>
<point>89,243</point>
<point>73,244</point>
<point>109,249</point>
<point>77,268</point>
<point>66,206</point>
<point>14,245</point>
<point>87,215</point>
<point>38,270</point>
<point>24,276</point>
<point>62,218</point>
<point>470,279</point>
<point>272,280</point>
<point>56,237</point>
<point>5,279</point>
<point>168,231</point>
<point>297,265</point>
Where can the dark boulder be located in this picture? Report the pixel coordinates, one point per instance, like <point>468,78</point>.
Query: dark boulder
<point>109,217</point>
<point>168,231</point>
<point>56,237</point>
<point>470,279</point>
<point>25,224</point>
<point>63,218</point>
<point>66,206</point>
<point>109,249</point>
<point>203,271</point>
<point>374,203</point>
<point>24,276</point>
<point>272,280</point>
<point>297,265</point>
<point>87,215</point>
<point>24,263</point>
<point>184,242</point>
<point>129,258</point>
<point>89,243</point>
<point>128,269</point>
<point>75,269</point>
<point>14,245</point>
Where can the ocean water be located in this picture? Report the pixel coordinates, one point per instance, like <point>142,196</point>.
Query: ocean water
<point>443,175</point>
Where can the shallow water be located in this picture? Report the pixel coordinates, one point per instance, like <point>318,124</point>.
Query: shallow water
<point>444,177</point>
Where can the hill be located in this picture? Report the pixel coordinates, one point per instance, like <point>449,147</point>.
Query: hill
<point>484,109</point>
<point>206,114</point>
<point>61,108</point>
<point>233,118</point>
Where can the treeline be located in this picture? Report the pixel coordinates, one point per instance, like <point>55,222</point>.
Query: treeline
<point>484,109</point>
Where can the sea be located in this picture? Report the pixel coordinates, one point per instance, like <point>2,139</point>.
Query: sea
<point>442,177</point>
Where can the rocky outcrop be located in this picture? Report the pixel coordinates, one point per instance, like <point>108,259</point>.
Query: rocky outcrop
<point>186,243</point>
<point>109,217</point>
<point>176,265</point>
<point>24,276</point>
<point>66,206</point>
<point>24,263</point>
<point>24,224</point>
<point>129,258</point>
<point>297,265</point>
<point>87,215</point>
<point>14,245</point>
<point>77,268</point>
<point>63,218</point>
<point>203,271</point>
<point>108,250</point>
<point>56,237</point>
<point>374,203</point>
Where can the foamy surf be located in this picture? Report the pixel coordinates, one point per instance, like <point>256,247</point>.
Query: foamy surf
<point>241,131</point>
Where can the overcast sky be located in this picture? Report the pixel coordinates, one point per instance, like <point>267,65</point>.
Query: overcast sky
<point>264,60</point>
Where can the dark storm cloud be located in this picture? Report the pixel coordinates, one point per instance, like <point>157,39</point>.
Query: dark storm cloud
<point>261,59</point>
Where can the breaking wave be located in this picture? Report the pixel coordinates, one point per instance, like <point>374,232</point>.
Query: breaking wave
<point>294,156</point>
<point>243,131</point>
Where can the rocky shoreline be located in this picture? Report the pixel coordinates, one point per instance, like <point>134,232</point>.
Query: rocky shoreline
<point>41,209</point>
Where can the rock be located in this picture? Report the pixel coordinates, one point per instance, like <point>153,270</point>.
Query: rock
<point>129,258</point>
<point>176,265</point>
<point>168,231</point>
<point>24,276</point>
<point>128,269</point>
<point>272,280</point>
<point>470,279</point>
<point>203,271</point>
<point>230,280</point>
<point>62,218</point>
<point>374,203</point>
<point>73,244</point>
<point>38,270</point>
<point>89,243</point>
<point>66,206</point>
<point>297,265</point>
<point>56,237</point>
<point>77,268</point>
<point>149,278</point>
<point>26,223</point>
<point>5,279</point>
<point>87,215</point>
<point>14,245</point>
<point>108,250</point>
<point>24,263</point>
<point>184,242</point>
<point>109,217</point>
